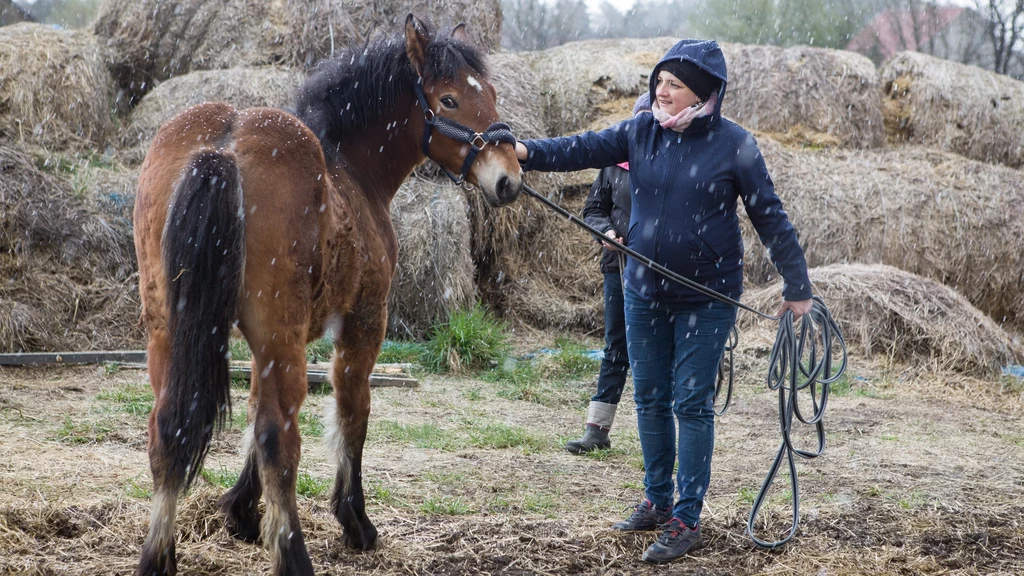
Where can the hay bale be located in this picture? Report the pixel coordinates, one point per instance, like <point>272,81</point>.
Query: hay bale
<point>931,213</point>
<point>884,310</point>
<point>55,90</point>
<point>575,78</point>
<point>803,89</point>
<point>66,257</point>
<point>241,87</point>
<point>434,276</point>
<point>555,279</point>
<point>153,40</point>
<point>954,107</point>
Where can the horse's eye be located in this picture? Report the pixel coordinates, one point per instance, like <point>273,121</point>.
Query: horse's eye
<point>449,102</point>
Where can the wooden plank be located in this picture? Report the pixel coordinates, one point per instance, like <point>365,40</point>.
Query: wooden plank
<point>383,376</point>
<point>97,357</point>
<point>316,377</point>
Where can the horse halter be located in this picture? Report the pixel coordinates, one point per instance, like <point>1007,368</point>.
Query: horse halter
<point>495,134</point>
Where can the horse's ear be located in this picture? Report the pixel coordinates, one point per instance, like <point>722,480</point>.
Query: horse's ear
<point>416,43</point>
<point>459,33</point>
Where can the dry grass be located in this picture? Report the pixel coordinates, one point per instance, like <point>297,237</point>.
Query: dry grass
<point>241,87</point>
<point>919,477</point>
<point>54,88</point>
<point>153,40</point>
<point>954,107</point>
<point>804,90</point>
<point>434,276</point>
<point>66,256</point>
<point>575,78</point>
<point>931,213</point>
<point>883,310</point>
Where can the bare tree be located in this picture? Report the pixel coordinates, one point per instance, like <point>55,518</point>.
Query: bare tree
<point>526,24</point>
<point>1004,31</point>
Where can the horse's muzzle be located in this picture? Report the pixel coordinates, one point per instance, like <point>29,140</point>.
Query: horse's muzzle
<point>507,189</point>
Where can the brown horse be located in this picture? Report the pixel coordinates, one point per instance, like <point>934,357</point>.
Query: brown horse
<point>280,225</point>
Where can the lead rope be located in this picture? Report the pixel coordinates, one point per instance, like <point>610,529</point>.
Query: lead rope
<point>794,365</point>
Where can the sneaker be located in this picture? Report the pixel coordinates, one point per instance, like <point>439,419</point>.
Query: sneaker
<point>594,438</point>
<point>673,543</point>
<point>644,517</point>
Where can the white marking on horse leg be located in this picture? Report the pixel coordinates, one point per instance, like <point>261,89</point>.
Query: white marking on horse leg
<point>161,520</point>
<point>248,435</point>
<point>276,528</point>
<point>334,437</point>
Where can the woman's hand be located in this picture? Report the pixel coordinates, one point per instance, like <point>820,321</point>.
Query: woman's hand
<point>611,234</point>
<point>799,308</point>
<point>521,152</point>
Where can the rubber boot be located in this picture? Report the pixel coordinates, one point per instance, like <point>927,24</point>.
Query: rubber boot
<point>595,436</point>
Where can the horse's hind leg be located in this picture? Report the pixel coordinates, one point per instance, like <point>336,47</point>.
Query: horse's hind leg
<point>158,555</point>
<point>240,504</point>
<point>346,421</point>
<point>282,389</point>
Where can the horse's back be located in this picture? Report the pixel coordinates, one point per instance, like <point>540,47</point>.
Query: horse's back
<point>283,184</point>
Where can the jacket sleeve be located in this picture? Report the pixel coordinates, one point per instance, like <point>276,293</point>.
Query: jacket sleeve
<point>587,150</point>
<point>597,210</point>
<point>765,210</point>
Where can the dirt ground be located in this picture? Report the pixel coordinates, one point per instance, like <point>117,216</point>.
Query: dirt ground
<point>923,474</point>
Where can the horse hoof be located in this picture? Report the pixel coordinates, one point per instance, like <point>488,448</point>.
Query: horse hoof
<point>157,562</point>
<point>364,538</point>
<point>241,522</point>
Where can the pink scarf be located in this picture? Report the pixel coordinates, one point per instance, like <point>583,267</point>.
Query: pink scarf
<point>682,121</point>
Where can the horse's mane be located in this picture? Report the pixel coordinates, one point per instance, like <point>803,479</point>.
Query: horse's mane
<point>347,94</point>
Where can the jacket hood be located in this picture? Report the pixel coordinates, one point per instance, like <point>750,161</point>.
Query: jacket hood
<point>708,56</point>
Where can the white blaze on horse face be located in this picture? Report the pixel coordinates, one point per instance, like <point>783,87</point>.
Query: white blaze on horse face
<point>474,83</point>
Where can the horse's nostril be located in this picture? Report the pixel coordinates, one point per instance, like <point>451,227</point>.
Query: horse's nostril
<point>504,187</point>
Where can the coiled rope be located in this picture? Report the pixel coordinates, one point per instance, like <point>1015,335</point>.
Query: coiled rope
<point>798,362</point>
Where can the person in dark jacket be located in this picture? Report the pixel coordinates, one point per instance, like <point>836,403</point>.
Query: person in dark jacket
<point>689,168</point>
<point>607,209</point>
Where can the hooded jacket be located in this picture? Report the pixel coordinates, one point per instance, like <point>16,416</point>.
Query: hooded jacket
<point>607,208</point>
<point>685,189</point>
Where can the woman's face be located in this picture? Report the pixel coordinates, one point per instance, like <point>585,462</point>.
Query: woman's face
<point>673,96</point>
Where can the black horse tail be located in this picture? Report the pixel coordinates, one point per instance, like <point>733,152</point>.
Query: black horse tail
<point>204,259</point>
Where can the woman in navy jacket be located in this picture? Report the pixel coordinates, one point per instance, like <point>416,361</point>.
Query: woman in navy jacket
<point>689,168</point>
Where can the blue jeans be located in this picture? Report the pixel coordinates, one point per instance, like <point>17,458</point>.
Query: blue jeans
<point>612,377</point>
<point>674,351</point>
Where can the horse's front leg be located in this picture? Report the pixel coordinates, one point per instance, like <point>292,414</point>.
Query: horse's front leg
<point>346,419</point>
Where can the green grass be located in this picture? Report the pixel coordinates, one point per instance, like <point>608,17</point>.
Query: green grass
<point>523,380</point>
<point>841,387</point>
<point>135,399</point>
<point>571,361</point>
<point>400,352</point>
<point>473,395</point>
<point>310,424</point>
<point>310,486</point>
<point>222,477</point>
<point>78,433</point>
<point>381,494</point>
<point>134,489</point>
<point>239,350</point>
<point>239,417</point>
<point>445,506</point>
<point>536,502</point>
<point>320,350</point>
<point>499,436</point>
<point>747,495</point>
<point>471,340</point>
<point>537,382</point>
<point>420,436</point>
